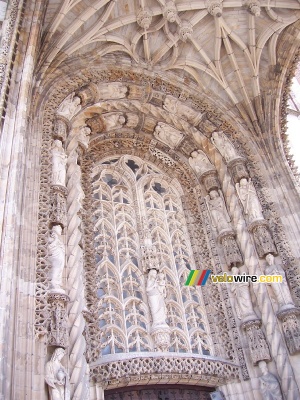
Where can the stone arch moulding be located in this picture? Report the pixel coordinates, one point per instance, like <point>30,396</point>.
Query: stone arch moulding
<point>116,125</point>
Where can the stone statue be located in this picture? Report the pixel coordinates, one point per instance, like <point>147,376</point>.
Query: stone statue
<point>59,161</point>
<point>112,91</point>
<point>168,135</point>
<point>57,377</point>
<point>281,290</point>
<point>243,300</point>
<point>218,213</point>
<point>56,256</point>
<point>70,106</point>
<point>200,162</point>
<point>224,146</point>
<point>113,121</point>
<point>83,136</point>
<point>269,384</point>
<point>156,294</point>
<point>249,199</point>
<point>176,107</point>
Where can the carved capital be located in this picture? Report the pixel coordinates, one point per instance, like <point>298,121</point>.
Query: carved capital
<point>291,328</point>
<point>258,346</point>
<point>210,180</point>
<point>238,169</point>
<point>262,238</point>
<point>58,332</point>
<point>231,250</point>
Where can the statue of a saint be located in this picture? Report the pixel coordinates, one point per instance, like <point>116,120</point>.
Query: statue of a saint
<point>244,305</point>
<point>224,146</point>
<point>113,121</point>
<point>156,298</point>
<point>57,377</point>
<point>176,107</point>
<point>200,162</point>
<point>249,199</point>
<point>70,106</point>
<point>281,290</point>
<point>269,385</point>
<point>59,161</point>
<point>218,213</point>
<point>168,135</point>
<point>112,91</point>
<point>83,136</point>
<point>56,256</point>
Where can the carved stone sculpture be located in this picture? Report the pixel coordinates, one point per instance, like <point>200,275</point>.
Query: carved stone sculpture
<point>113,121</point>
<point>177,107</point>
<point>238,169</point>
<point>291,328</point>
<point>210,180</point>
<point>224,146</point>
<point>218,213</point>
<point>156,292</point>
<point>170,11</point>
<point>249,199</point>
<point>57,377</point>
<point>200,162</point>
<point>168,135</point>
<point>60,129</point>
<point>231,250</point>
<point>243,301</point>
<point>112,91</point>
<point>70,106</point>
<point>156,299</point>
<point>269,384</point>
<point>262,238</point>
<point>185,31</point>
<point>59,161</point>
<point>258,346</point>
<point>56,256</point>
<point>84,136</point>
<point>58,215</point>
<point>254,7</point>
<point>214,7</point>
<point>280,290</point>
<point>58,328</point>
<point>144,18</point>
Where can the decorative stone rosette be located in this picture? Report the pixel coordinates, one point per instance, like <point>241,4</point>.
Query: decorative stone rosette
<point>258,346</point>
<point>291,328</point>
<point>58,330</point>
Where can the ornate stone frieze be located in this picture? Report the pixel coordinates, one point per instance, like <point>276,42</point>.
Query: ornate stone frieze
<point>231,249</point>
<point>58,212</point>
<point>58,321</point>
<point>262,238</point>
<point>291,328</point>
<point>258,346</point>
<point>137,370</point>
<point>238,169</point>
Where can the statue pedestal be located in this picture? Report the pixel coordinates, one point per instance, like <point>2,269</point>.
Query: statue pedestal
<point>162,337</point>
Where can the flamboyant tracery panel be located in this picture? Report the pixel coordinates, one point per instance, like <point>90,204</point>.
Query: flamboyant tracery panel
<point>127,192</point>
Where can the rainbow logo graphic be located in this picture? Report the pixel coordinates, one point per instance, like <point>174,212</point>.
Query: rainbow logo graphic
<point>197,277</point>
